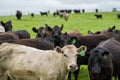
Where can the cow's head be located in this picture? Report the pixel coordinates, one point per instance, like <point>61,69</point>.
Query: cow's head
<point>43,31</point>
<point>7,25</point>
<point>57,30</point>
<point>65,39</point>
<point>70,53</point>
<point>99,63</point>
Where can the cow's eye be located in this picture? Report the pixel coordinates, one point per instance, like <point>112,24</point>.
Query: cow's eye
<point>65,55</point>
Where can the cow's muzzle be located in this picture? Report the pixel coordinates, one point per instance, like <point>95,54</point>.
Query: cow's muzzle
<point>73,67</point>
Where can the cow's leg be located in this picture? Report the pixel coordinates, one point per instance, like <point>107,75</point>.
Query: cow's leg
<point>69,76</point>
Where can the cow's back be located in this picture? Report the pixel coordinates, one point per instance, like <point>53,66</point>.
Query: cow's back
<point>22,61</point>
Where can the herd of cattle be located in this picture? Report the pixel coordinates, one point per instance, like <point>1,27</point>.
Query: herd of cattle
<point>62,14</point>
<point>53,55</point>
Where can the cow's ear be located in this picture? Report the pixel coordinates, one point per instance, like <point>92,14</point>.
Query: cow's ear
<point>2,23</point>
<point>34,30</point>
<point>82,50</point>
<point>48,27</point>
<point>61,27</point>
<point>58,49</point>
<point>105,54</point>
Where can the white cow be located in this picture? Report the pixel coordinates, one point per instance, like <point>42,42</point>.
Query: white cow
<point>27,63</point>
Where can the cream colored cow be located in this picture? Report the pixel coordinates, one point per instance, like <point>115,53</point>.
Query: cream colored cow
<point>27,63</point>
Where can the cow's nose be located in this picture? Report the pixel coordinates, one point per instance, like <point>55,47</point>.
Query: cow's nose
<point>73,67</point>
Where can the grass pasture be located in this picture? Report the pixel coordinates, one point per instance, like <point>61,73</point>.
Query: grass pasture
<point>81,22</point>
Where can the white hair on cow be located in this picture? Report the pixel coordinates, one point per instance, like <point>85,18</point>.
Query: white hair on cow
<point>2,29</point>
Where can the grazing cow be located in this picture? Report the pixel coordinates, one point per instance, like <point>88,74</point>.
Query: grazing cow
<point>98,16</point>
<point>32,15</point>
<point>39,43</point>
<point>104,61</point>
<point>56,13</point>
<point>68,11</point>
<point>64,15</point>
<point>19,15</point>
<point>7,26</point>
<point>22,34</point>
<point>44,13</point>
<point>76,11</point>
<point>118,16</point>
<point>83,10</point>
<point>43,31</point>
<point>23,62</point>
<point>8,36</point>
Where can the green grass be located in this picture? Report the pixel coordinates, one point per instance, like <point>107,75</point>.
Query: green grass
<point>81,22</point>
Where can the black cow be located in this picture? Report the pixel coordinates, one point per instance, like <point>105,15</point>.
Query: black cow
<point>98,16</point>
<point>104,61</point>
<point>57,31</point>
<point>19,15</point>
<point>7,26</point>
<point>44,13</point>
<point>118,16</point>
<point>32,15</point>
<point>39,43</point>
<point>22,34</point>
<point>76,11</point>
<point>90,42</point>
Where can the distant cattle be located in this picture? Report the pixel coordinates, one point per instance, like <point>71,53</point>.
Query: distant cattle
<point>110,29</point>
<point>19,15</point>
<point>118,16</point>
<point>44,13</point>
<point>32,15</point>
<point>6,25</point>
<point>96,10</point>
<point>98,16</point>
<point>83,10</point>
<point>64,15</point>
<point>23,62</point>
<point>76,11</point>
<point>22,34</point>
<point>104,61</point>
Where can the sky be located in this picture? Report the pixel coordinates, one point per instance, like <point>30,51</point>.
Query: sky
<point>9,7</point>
